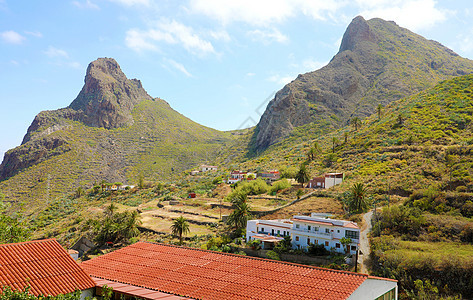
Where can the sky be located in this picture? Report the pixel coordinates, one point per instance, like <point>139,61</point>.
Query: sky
<point>217,62</point>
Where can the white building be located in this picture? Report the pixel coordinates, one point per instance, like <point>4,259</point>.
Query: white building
<point>328,232</point>
<point>268,232</point>
<point>205,168</point>
<point>305,230</point>
<point>332,179</point>
<point>236,176</point>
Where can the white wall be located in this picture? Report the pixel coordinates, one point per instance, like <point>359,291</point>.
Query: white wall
<point>329,182</point>
<point>372,288</point>
<point>250,228</point>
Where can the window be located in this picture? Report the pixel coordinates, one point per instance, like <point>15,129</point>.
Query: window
<point>297,238</point>
<point>337,245</point>
<point>279,232</point>
<point>327,230</point>
<point>308,227</point>
<point>297,225</point>
<point>316,228</point>
<point>308,241</point>
<point>326,244</point>
<point>338,230</point>
<point>316,242</point>
<point>272,231</point>
<point>353,248</point>
<point>262,229</point>
<point>352,234</point>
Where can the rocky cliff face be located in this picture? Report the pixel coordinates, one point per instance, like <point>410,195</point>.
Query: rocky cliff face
<point>378,62</point>
<point>108,97</point>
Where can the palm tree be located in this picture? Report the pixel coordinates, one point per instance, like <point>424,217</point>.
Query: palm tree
<point>302,176</point>
<point>345,136</point>
<point>240,215</point>
<point>359,200</point>
<point>311,153</point>
<point>356,122</point>
<point>379,108</point>
<point>179,227</point>
<point>129,227</point>
<point>334,143</point>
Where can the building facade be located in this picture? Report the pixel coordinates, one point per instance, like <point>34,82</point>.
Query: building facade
<point>305,230</point>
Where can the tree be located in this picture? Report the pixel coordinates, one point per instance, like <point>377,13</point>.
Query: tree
<point>303,175</point>
<point>346,244</point>
<point>345,136</point>
<point>400,119</point>
<point>334,143</point>
<point>239,216</point>
<point>284,245</point>
<point>379,109</point>
<point>79,192</point>
<point>179,227</point>
<point>11,229</point>
<point>356,122</point>
<point>141,181</point>
<point>311,154</point>
<point>358,201</point>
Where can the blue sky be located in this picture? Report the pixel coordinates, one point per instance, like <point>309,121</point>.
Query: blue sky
<point>215,61</point>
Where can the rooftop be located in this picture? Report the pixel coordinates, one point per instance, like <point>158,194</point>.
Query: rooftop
<point>203,274</point>
<point>42,264</point>
<point>326,221</point>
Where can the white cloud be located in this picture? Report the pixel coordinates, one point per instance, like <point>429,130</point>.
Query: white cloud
<point>75,65</point>
<point>310,65</point>
<point>412,14</point>
<point>263,12</point>
<point>131,2</point>
<point>267,36</point>
<point>281,79</point>
<point>34,33</point>
<point>170,32</point>
<point>12,37</point>
<point>221,35</point>
<point>55,52</point>
<point>86,5</point>
<point>250,74</point>
<point>177,66</point>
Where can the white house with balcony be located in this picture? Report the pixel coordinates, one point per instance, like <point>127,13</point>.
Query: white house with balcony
<point>328,232</point>
<point>306,230</point>
<point>269,232</point>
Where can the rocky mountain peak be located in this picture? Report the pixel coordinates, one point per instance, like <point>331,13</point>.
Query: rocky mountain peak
<point>108,97</point>
<point>358,32</point>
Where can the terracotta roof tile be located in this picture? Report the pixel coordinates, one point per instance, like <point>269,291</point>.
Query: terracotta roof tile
<point>44,265</point>
<point>202,274</point>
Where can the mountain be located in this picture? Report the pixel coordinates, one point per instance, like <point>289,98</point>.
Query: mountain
<point>378,62</point>
<point>112,131</point>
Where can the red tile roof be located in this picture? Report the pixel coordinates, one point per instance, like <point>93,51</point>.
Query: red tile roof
<point>202,274</point>
<point>131,290</point>
<point>44,265</point>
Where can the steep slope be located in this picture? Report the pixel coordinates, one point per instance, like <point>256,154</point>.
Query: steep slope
<point>421,141</point>
<point>112,131</point>
<point>378,62</point>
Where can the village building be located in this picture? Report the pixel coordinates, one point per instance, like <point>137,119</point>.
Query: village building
<point>194,172</point>
<point>236,176</point>
<point>145,269</point>
<point>328,232</point>
<point>270,176</point>
<point>45,266</point>
<point>205,168</point>
<point>305,230</point>
<point>269,232</point>
<point>326,181</point>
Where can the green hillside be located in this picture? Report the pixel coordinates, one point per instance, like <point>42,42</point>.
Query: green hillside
<point>160,143</point>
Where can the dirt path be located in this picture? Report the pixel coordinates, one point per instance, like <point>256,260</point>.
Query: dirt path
<point>364,242</point>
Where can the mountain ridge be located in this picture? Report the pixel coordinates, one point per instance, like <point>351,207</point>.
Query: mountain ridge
<point>378,62</point>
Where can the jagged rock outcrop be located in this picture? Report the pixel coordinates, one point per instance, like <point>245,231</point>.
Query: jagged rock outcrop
<point>378,62</point>
<point>108,97</point>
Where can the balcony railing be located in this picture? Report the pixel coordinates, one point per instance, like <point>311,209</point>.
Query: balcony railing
<point>313,232</point>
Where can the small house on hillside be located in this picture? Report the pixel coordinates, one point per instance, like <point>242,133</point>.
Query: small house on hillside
<point>194,172</point>
<point>272,175</point>
<point>326,181</point>
<point>44,266</point>
<point>205,168</point>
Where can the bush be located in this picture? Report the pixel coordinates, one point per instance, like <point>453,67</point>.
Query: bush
<point>280,185</point>
<point>272,255</point>
<point>317,250</point>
